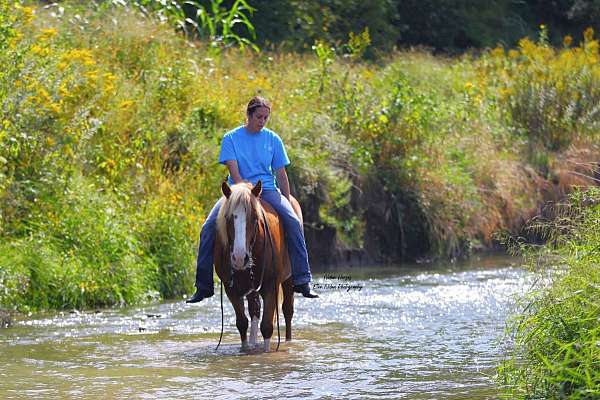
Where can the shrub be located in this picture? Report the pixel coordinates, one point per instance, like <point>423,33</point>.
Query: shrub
<point>550,95</point>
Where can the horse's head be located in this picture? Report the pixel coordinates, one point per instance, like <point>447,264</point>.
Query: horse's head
<point>238,220</point>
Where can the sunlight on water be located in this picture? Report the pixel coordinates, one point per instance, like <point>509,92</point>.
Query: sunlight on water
<point>375,333</point>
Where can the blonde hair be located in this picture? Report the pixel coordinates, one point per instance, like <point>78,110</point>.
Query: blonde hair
<point>240,194</point>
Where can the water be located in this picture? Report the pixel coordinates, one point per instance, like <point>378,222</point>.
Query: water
<point>406,334</point>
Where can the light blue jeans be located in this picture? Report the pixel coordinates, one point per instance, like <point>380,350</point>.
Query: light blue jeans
<point>294,238</point>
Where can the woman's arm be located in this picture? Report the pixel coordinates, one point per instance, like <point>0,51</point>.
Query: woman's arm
<point>283,182</point>
<point>234,171</point>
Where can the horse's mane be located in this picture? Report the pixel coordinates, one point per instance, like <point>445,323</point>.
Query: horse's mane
<point>240,194</point>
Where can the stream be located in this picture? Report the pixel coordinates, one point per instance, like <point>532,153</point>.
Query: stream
<point>395,332</point>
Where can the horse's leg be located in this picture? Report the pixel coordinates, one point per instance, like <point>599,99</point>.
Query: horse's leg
<point>266,325</point>
<point>288,307</point>
<point>241,321</point>
<point>254,311</point>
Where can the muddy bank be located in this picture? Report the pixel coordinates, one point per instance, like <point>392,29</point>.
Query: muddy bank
<point>397,228</point>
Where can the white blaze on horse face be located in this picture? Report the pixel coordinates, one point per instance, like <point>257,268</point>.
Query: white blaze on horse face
<point>238,254</point>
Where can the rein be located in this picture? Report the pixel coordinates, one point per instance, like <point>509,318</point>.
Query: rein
<point>222,317</point>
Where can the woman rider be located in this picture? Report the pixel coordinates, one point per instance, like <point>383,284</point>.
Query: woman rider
<point>251,153</point>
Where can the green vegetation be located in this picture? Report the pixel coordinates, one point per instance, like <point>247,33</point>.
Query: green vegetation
<point>557,339</point>
<point>111,123</point>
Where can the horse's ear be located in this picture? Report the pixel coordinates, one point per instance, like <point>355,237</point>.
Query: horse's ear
<point>226,189</point>
<point>257,189</point>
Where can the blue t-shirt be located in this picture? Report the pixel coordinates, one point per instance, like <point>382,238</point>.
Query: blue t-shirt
<point>258,155</point>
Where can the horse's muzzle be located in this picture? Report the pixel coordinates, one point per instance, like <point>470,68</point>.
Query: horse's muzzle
<point>241,264</point>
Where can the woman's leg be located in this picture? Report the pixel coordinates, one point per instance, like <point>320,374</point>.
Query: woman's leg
<point>294,236</point>
<point>204,262</point>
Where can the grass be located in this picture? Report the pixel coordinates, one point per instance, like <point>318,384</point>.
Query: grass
<point>111,123</point>
<point>557,352</point>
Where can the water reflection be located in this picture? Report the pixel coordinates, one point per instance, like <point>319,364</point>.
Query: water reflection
<point>405,334</point>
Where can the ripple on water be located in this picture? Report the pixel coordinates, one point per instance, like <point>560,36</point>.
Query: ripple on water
<point>403,335</point>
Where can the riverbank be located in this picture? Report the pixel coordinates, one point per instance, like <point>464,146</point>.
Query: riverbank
<point>556,351</point>
<point>112,124</point>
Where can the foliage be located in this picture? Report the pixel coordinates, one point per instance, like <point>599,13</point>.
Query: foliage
<point>550,95</point>
<point>298,24</point>
<point>110,125</point>
<point>460,24</point>
<point>214,22</point>
<point>72,178</point>
<point>220,24</point>
<point>358,44</point>
<point>450,26</point>
<point>80,253</point>
<point>557,336</point>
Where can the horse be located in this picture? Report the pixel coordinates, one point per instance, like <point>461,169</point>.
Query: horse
<point>251,258</point>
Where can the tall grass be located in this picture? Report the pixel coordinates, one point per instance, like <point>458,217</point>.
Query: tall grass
<point>557,354</point>
<point>111,123</point>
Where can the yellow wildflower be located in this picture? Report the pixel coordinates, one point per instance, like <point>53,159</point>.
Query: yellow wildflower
<point>47,34</point>
<point>54,107</point>
<point>13,41</point>
<point>588,35</point>
<point>567,40</point>
<point>63,90</point>
<point>126,103</point>
<point>38,50</point>
<point>498,52</point>
<point>28,13</point>
<point>93,75</point>
<point>109,77</point>
<point>42,95</point>
<point>505,92</point>
<point>109,80</point>
<point>83,56</point>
